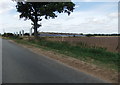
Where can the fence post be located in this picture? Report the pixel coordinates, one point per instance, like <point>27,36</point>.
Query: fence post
<point>16,33</point>
<point>62,38</point>
<point>19,33</point>
<point>30,31</point>
<point>22,32</point>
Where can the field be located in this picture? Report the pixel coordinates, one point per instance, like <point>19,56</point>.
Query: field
<point>107,42</point>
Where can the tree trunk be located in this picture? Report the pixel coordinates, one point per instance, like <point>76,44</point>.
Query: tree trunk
<point>35,25</point>
<point>35,32</point>
<point>35,28</point>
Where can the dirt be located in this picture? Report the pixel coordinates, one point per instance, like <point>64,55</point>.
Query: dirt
<point>110,76</point>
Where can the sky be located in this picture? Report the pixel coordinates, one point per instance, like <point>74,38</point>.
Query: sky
<point>89,16</point>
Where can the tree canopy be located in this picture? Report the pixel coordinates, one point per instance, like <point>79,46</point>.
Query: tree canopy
<point>35,10</point>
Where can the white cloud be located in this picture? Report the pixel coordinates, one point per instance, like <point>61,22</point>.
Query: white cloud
<point>6,6</point>
<point>77,6</point>
<point>85,21</point>
<point>16,16</point>
<point>97,20</point>
<point>95,0</point>
<point>113,15</point>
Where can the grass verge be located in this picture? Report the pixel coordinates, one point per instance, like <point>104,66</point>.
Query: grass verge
<point>96,56</point>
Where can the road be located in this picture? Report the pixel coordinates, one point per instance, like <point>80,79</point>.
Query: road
<point>19,65</point>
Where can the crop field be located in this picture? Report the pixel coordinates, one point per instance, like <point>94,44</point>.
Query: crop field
<point>109,43</point>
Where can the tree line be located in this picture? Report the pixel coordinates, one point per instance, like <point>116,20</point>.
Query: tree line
<point>102,35</point>
<point>88,35</point>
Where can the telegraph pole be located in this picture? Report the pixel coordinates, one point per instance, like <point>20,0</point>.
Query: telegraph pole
<point>22,32</point>
<point>31,31</point>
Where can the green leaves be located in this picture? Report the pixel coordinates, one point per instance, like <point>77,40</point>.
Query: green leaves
<point>47,9</point>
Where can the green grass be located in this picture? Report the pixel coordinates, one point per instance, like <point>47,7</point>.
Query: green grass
<point>97,55</point>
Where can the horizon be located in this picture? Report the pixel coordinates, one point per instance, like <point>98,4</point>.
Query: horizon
<point>69,33</point>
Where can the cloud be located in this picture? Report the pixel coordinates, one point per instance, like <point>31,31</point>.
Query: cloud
<point>82,24</point>
<point>85,22</point>
<point>101,18</point>
<point>77,6</point>
<point>95,0</point>
<point>113,15</point>
<point>6,6</point>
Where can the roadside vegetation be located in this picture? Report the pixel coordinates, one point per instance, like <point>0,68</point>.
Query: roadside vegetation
<point>96,55</point>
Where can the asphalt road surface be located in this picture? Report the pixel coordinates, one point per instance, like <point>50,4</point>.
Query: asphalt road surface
<point>23,66</point>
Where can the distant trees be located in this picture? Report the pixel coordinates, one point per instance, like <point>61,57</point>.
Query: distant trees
<point>74,35</point>
<point>8,35</point>
<point>89,35</point>
<point>26,34</point>
<point>34,11</point>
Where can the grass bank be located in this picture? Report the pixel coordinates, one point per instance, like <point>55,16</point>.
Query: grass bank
<point>97,56</point>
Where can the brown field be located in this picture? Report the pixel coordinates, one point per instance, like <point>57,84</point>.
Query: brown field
<point>108,42</point>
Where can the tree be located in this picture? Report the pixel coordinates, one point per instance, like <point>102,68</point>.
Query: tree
<point>8,35</point>
<point>35,10</point>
